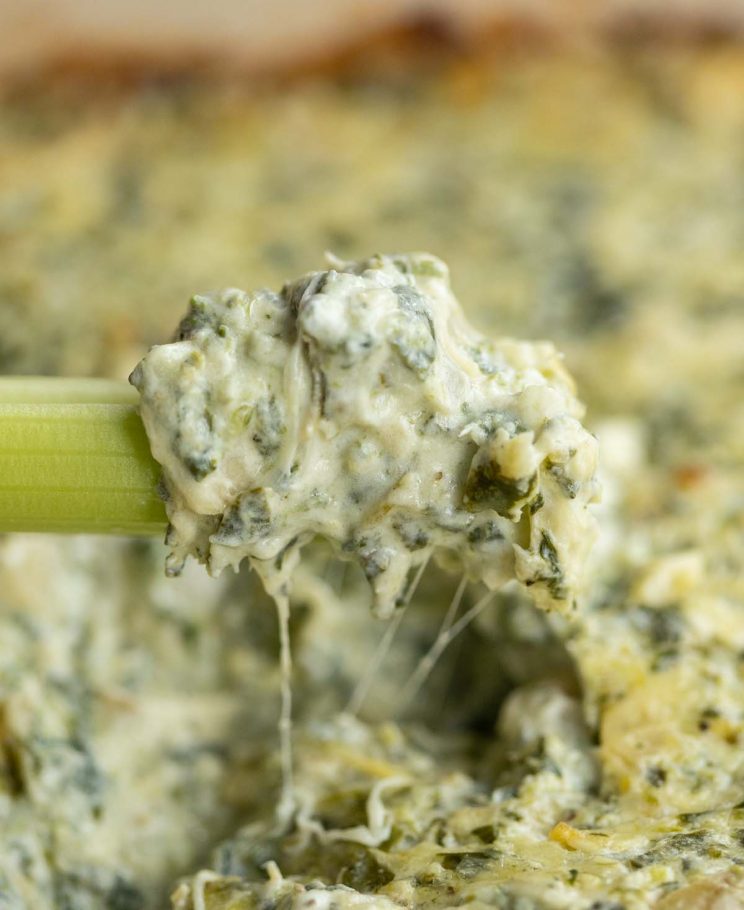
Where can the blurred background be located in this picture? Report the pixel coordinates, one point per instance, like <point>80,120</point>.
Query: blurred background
<point>579,165</point>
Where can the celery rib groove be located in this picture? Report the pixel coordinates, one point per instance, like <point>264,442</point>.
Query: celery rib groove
<point>74,458</point>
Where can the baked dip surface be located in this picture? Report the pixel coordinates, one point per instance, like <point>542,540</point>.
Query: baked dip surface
<point>544,762</point>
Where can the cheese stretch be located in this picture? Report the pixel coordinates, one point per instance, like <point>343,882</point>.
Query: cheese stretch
<point>357,405</point>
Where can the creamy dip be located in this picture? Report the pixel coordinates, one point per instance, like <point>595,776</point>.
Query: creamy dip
<point>597,765</point>
<point>358,405</point>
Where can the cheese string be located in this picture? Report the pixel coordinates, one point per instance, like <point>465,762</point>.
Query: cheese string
<point>449,616</point>
<point>286,804</point>
<point>445,637</point>
<point>361,691</point>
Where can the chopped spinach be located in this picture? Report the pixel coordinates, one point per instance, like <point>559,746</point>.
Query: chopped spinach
<point>661,625</point>
<point>412,333</point>
<point>569,487</point>
<point>194,440</point>
<point>484,360</point>
<point>596,305</point>
<point>412,534</point>
<point>249,519</point>
<point>364,872</point>
<point>374,561</point>
<point>467,863</point>
<point>421,266</point>
<point>656,775</point>
<point>485,532</point>
<point>536,504</point>
<point>199,464</point>
<point>487,488</point>
<point>124,895</point>
<point>268,426</point>
<point>485,833</point>
<point>202,314</point>
<point>553,577</point>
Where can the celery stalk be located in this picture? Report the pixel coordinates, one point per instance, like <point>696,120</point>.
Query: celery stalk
<point>74,458</point>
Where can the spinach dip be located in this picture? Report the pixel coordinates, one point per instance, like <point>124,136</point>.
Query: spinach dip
<point>471,749</point>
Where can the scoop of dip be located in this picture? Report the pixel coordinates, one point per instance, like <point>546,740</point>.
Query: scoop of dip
<point>357,404</point>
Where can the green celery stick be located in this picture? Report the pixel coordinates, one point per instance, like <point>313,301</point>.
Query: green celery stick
<point>74,458</point>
